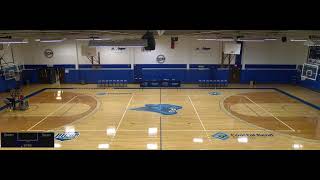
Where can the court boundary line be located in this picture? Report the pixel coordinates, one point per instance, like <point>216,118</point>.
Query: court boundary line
<point>199,118</point>
<point>46,117</point>
<point>169,130</point>
<point>267,112</point>
<point>129,102</point>
<point>84,117</point>
<point>277,89</point>
<point>124,113</point>
<point>249,108</point>
<point>221,105</point>
<point>281,132</point>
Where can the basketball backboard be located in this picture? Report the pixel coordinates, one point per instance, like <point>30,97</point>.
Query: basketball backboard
<point>309,71</point>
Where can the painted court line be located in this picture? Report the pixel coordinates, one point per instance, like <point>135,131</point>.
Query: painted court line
<point>51,113</point>
<point>179,130</point>
<point>124,113</point>
<point>268,112</point>
<point>199,118</point>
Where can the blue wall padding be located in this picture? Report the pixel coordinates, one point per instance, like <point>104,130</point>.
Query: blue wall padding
<point>92,76</point>
<point>194,75</point>
<point>6,85</point>
<point>214,66</point>
<point>106,65</point>
<point>31,75</point>
<point>267,76</point>
<point>160,66</point>
<point>260,73</point>
<point>185,75</point>
<point>70,66</point>
<point>314,85</point>
<point>270,66</point>
<point>159,74</point>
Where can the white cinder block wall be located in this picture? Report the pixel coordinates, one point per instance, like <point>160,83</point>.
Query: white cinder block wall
<point>33,53</point>
<point>272,52</point>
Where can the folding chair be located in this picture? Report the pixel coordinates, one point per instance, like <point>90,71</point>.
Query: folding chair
<point>207,83</point>
<point>218,83</point>
<point>224,83</point>
<point>210,83</point>
<point>103,83</point>
<point>99,84</point>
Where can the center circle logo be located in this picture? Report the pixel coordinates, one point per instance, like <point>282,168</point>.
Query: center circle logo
<point>161,59</point>
<point>48,53</point>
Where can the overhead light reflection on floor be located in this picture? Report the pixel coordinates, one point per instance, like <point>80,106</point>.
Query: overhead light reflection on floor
<point>111,131</point>
<point>297,146</point>
<point>243,139</point>
<point>56,145</point>
<point>197,140</point>
<point>59,95</point>
<point>152,146</point>
<point>152,131</point>
<point>70,129</point>
<point>103,146</point>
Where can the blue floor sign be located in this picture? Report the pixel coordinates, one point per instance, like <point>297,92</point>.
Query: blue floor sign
<point>221,136</point>
<point>67,136</point>
<point>214,93</point>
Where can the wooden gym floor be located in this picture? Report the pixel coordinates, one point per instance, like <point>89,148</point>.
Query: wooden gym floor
<point>251,118</point>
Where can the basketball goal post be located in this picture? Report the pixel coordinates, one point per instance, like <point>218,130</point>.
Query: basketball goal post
<point>11,71</point>
<point>310,69</point>
<point>230,50</point>
<point>9,68</point>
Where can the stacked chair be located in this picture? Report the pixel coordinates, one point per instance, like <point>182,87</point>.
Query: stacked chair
<point>213,83</point>
<point>112,83</point>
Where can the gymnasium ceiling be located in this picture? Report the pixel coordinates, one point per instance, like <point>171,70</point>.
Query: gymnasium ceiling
<point>132,33</point>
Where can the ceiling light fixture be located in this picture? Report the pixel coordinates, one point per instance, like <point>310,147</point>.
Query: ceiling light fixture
<point>50,40</point>
<point>13,41</point>
<point>92,38</point>
<point>215,39</point>
<point>270,39</point>
<point>250,40</point>
<point>298,40</point>
<point>120,43</point>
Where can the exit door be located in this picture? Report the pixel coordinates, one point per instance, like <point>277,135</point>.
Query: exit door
<point>234,74</point>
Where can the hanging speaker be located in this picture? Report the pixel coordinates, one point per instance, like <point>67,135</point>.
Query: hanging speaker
<point>284,39</point>
<point>150,41</point>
